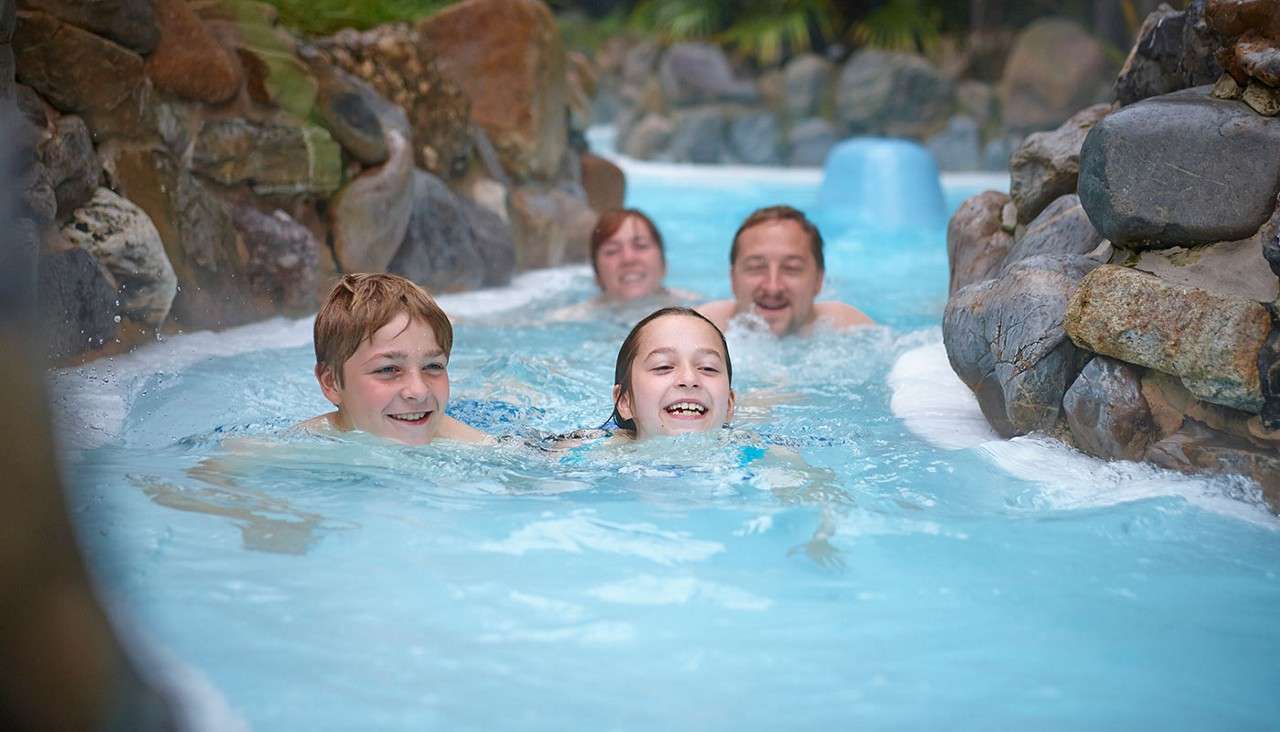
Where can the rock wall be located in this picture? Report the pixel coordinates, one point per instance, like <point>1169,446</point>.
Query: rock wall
<point>1123,297</point>
<point>192,164</point>
<point>969,103</point>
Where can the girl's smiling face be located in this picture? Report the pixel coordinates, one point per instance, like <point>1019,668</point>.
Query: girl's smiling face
<point>679,379</point>
<point>396,384</point>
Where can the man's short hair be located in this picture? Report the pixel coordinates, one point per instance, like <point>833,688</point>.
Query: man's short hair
<point>360,304</point>
<point>770,214</point>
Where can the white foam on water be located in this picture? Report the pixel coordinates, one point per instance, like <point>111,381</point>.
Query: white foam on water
<point>934,403</point>
<point>647,589</point>
<point>583,531</point>
<point>90,402</point>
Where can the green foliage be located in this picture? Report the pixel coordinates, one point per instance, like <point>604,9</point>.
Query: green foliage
<point>900,25</point>
<point>323,17</point>
<point>765,30</point>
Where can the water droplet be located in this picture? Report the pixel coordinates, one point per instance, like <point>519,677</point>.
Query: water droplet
<point>117,318</point>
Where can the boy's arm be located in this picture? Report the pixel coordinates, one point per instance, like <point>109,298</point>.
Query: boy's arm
<point>452,429</point>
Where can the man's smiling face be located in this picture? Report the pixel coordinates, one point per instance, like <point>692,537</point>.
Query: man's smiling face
<point>776,276</point>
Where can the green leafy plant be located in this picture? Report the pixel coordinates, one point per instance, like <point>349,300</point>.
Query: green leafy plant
<point>760,29</point>
<point>323,17</point>
<point>900,25</point>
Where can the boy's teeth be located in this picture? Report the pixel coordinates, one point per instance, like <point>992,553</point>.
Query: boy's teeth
<point>409,416</point>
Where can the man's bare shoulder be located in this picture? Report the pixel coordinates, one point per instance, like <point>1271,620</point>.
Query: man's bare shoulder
<point>841,315</point>
<point>452,429</point>
<point>718,312</point>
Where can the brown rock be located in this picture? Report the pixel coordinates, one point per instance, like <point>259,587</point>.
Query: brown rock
<point>508,56</point>
<point>1226,88</point>
<point>1235,17</point>
<point>1197,449</point>
<point>188,61</point>
<point>1106,411</point>
<point>272,157</point>
<point>399,66</point>
<point>80,72</point>
<point>552,227</point>
<point>370,215</point>
<point>131,23</point>
<point>1038,91</point>
<point>976,242</point>
<point>73,165</point>
<point>604,182</point>
<point>1047,164</point>
<point>1262,99</point>
<point>1208,341</point>
<point>283,257</point>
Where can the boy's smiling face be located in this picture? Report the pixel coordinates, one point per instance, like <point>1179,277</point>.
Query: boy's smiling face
<point>396,384</point>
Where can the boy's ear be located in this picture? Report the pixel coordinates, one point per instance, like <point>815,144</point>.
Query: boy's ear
<point>329,384</point>
<point>733,397</point>
<point>623,402</point>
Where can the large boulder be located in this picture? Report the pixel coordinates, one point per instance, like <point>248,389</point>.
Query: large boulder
<point>1195,448</point>
<point>648,139</point>
<point>1062,228</point>
<point>508,57</point>
<point>754,138</point>
<point>1180,169</point>
<point>283,258</point>
<point>1210,342</point>
<point>893,94</point>
<point>73,166</point>
<point>450,243</point>
<point>810,141</point>
<point>273,74</point>
<point>1154,64</point>
<point>551,226</point>
<point>699,135</point>
<point>85,74</point>
<point>1230,268</point>
<point>370,215</point>
<point>1005,340</point>
<point>394,61</point>
<point>122,239</point>
<point>604,183</point>
<point>76,302</point>
<point>958,146</point>
<point>1200,44</point>
<point>1106,411</point>
<point>693,74</point>
<point>976,243</point>
<point>1039,90</point>
<point>198,234</point>
<point>188,61</point>
<point>131,23</point>
<point>271,157</point>
<point>352,111</point>
<point>1047,164</point>
<point>806,81</point>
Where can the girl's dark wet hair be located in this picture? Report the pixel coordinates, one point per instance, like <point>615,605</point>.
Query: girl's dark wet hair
<point>631,346</point>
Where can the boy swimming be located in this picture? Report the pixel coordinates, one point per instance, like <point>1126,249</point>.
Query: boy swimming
<point>382,359</point>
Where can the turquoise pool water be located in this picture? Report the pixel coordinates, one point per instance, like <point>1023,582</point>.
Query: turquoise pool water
<point>911,572</point>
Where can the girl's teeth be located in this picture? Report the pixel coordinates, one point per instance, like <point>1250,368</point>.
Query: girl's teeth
<point>686,407</point>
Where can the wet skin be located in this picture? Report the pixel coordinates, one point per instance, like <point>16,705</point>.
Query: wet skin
<point>678,380</point>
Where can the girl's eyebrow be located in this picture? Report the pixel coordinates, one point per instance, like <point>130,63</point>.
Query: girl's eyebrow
<point>668,351</point>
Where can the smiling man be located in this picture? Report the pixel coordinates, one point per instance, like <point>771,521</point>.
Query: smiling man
<point>776,269</point>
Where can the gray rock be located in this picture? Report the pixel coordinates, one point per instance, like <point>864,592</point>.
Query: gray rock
<point>452,243</point>
<point>648,139</point>
<point>1154,65</point>
<point>1199,46</point>
<point>755,139</point>
<point>8,82</point>
<point>271,157</point>
<point>894,94</point>
<point>976,241</point>
<point>699,135</point>
<point>1005,340</point>
<point>1210,342</point>
<point>128,22</point>
<point>8,19</point>
<point>956,147</point>
<point>371,213</point>
<point>352,111</point>
<point>551,226</point>
<point>1106,411</point>
<point>1269,375</point>
<point>1180,169</point>
<point>1047,164</point>
<point>699,73</point>
<point>999,151</point>
<point>124,240</point>
<point>283,257</point>
<point>1271,252</point>
<point>76,301</point>
<point>810,141</point>
<point>1038,90</point>
<point>977,100</point>
<point>1062,228</point>
<point>1261,98</point>
<point>639,63</point>
<point>73,164</point>
<point>806,79</point>
<point>38,198</point>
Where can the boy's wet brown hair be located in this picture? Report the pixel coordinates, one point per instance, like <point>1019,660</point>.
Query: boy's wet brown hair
<point>360,304</point>
<point>609,223</point>
<point>631,348</point>
<point>770,214</point>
